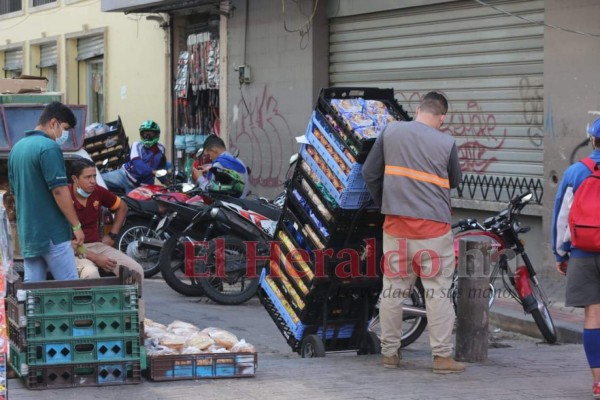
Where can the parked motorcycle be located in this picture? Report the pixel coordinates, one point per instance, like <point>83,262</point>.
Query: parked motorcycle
<point>503,230</point>
<point>208,257</point>
<point>142,218</point>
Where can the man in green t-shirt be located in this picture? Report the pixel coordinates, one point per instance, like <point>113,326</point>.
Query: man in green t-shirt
<point>46,218</point>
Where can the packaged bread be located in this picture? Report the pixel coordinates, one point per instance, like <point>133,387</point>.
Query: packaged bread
<point>172,341</point>
<point>221,337</point>
<point>181,328</point>
<point>199,340</point>
<point>243,347</point>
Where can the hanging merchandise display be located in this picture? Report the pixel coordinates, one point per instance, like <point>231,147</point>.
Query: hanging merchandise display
<point>197,97</point>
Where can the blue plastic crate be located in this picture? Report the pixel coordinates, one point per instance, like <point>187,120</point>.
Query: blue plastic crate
<point>276,302</point>
<point>126,347</point>
<point>348,199</point>
<point>354,179</point>
<point>69,326</point>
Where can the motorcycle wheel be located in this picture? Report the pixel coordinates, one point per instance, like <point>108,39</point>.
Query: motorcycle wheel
<point>172,266</point>
<point>412,326</point>
<point>541,315</point>
<point>234,287</point>
<point>126,242</point>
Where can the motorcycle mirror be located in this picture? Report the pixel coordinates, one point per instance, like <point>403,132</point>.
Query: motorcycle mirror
<point>105,162</point>
<point>235,152</point>
<point>187,187</point>
<point>294,158</point>
<point>160,173</point>
<point>526,198</point>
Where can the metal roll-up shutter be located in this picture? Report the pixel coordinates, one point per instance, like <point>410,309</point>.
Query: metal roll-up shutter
<point>48,55</point>
<point>488,63</point>
<point>90,47</point>
<point>13,60</point>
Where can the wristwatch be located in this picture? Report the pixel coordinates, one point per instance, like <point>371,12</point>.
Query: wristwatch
<point>113,236</point>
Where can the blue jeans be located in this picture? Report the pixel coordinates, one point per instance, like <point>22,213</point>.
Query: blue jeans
<point>117,180</point>
<point>59,259</point>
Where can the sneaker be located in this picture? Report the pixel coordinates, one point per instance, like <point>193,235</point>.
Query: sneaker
<point>391,361</point>
<point>446,365</point>
<point>596,390</point>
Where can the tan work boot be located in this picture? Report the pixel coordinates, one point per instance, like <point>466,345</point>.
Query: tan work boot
<point>446,365</point>
<point>392,361</point>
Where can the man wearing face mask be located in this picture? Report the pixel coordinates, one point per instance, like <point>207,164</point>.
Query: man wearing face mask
<point>146,157</point>
<point>46,218</point>
<point>88,199</point>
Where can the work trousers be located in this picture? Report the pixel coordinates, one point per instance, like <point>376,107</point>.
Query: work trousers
<point>405,259</point>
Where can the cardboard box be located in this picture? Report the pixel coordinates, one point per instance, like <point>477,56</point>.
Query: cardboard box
<point>24,84</point>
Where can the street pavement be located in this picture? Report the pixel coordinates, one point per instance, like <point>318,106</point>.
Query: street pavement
<point>518,366</point>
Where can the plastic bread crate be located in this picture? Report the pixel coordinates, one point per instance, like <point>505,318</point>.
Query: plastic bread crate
<point>299,257</point>
<point>351,228</point>
<point>82,300</point>
<point>292,296</point>
<point>286,316</point>
<point>17,336</point>
<point>278,319</point>
<point>72,326</point>
<point>202,366</point>
<point>345,167</point>
<point>344,303</point>
<point>359,147</point>
<point>93,349</point>
<point>83,374</point>
<point>15,311</point>
<point>18,289</point>
<point>18,360</point>
<point>345,198</point>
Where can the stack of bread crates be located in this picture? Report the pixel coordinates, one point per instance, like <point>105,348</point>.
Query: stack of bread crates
<point>75,333</point>
<point>322,286</point>
<point>108,145</point>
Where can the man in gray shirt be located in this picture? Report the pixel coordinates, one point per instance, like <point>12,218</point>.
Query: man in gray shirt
<point>409,173</point>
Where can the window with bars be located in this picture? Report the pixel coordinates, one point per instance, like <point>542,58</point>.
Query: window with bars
<point>35,3</point>
<point>9,6</point>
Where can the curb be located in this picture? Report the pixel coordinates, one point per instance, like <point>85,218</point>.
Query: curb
<point>518,321</point>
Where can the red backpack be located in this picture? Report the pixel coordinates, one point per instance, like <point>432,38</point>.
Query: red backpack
<point>584,218</point>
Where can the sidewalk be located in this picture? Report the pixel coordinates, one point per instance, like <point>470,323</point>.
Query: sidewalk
<point>508,315</point>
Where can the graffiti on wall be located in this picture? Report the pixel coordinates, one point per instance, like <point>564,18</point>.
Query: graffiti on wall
<point>476,126</point>
<point>533,111</point>
<point>264,136</point>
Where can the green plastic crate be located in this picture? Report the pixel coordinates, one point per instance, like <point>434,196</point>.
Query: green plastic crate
<point>103,299</point>
<point>73,326</point>
<point>18,360</point>
<point>93,349</point>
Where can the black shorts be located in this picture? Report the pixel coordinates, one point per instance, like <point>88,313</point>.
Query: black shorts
<point>583,282</point>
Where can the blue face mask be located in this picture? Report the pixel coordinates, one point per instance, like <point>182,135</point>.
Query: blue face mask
<point>83,193</point>
<point>63,138</point>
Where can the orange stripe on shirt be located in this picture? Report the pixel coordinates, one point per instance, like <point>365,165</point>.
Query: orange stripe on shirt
<point>417,175</point>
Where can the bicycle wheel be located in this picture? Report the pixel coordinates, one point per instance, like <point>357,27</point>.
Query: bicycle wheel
<point>541,314</point>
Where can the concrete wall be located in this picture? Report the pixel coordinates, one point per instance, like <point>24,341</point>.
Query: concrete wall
<point>288,69</point>
<point>134,58</point>
<point>571,89</point>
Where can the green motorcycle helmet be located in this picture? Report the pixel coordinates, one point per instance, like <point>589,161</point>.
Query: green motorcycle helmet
<point>149,133</point>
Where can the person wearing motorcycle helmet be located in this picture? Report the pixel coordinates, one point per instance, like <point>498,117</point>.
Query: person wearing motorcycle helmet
<point>146,157</point>
<point>225,174</point>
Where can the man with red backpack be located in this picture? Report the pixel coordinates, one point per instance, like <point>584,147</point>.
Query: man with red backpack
<point>576,245</point>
